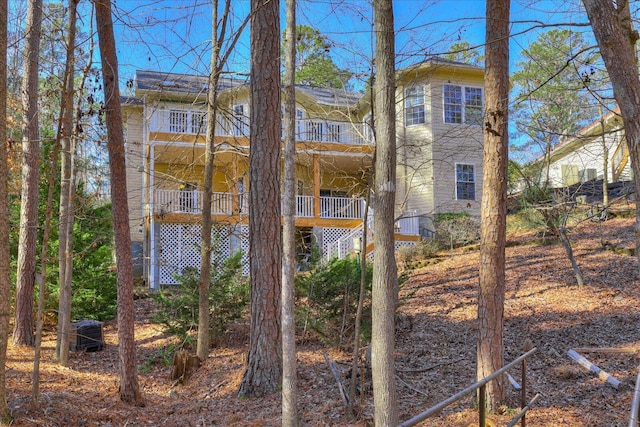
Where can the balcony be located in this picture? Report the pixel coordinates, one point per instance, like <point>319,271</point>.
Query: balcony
<point>190,202</point>
<point>194,122</point>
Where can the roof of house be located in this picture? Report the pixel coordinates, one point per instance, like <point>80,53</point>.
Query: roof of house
<point>180,83</point>
<point>612,121</point>
<point>195,85</point>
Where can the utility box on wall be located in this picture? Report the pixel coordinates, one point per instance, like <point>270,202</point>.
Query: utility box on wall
<point>86,335</point>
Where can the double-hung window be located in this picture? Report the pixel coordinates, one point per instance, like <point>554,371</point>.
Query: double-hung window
<point>462,104</point>
<point>465,181</point>
<point>414,105</point>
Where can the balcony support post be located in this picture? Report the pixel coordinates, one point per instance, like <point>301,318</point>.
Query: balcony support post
<point>316,186</point>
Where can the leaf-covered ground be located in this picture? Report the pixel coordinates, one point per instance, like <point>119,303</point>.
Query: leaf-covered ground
<point>435,351</point>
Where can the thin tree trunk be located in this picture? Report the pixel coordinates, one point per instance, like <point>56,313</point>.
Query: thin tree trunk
<point>204,330</point>
<point>129,387</point>
<point>613,29</point>
<point>65,225</point>
<point>605,163</point>
<point>263,374</point>
<point>567,247</point>
<point>385,277</point>
<point>23,328</point>
<point>5,256</point>
<point>361,296</point>
<point>289,386</point>
<point>494,207</point>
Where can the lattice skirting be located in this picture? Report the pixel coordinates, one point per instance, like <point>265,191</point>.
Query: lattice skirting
<point>179,249</point>
<point>332,235</point>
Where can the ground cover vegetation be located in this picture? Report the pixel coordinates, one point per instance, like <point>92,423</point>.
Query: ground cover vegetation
<point>435,337</point>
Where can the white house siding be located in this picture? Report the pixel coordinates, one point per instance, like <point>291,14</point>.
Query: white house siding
<point>428,153</point>
<point>134,162</point>
<point>453,144</point>
<point>586,158</point>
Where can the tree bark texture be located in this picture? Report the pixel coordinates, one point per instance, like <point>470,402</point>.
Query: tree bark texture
<point>289,388</point>
<point>67,191</point>
<point>494,201</point>
<point>613,29</point>
<point>204,330</point>
<point>264,364</point>
<point>385,277</point>
<point>26,275</point>
<point>129,387</point>
<point>5,255</point>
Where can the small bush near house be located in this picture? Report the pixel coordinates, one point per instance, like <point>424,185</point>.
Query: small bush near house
<point>228,299</point>
<point>328,300</point>
<point>407,256</point>
<point>457,229</point>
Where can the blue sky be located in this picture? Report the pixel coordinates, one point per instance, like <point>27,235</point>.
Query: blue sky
<point>175,35</point>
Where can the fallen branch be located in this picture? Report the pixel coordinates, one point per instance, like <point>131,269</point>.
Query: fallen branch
<point>604,376</point>
<point>606,350</point>
<point>406,384</point>
<point>336,375</point>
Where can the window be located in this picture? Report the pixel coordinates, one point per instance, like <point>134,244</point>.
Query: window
<point>240,122</point>
<point>462,105</point>
<point>414,105</point>
<point>465,182</point>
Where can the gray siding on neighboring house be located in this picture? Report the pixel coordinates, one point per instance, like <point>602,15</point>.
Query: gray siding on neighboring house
<point>583,160</point>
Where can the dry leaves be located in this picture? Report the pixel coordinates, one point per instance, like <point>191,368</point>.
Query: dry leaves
<point>435,352</point>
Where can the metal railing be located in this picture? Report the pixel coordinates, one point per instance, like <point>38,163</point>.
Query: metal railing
<point>481,385</point>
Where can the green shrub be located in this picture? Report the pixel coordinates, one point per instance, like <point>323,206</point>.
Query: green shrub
<point>328,299</point>
<point>425,249</point>
<point>228,299</point>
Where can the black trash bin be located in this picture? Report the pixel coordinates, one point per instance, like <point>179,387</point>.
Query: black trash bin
<point>86,335</point>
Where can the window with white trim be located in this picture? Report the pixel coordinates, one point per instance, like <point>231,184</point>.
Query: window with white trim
<point>414,105</point>
<point>240,121</point>
<point>465,181</point>
<point>462,104</point>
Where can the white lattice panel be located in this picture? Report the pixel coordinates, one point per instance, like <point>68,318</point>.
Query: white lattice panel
<point>244,247</point>
<point>401,244</point>
<point>179,248</point>
<point>330,236</point>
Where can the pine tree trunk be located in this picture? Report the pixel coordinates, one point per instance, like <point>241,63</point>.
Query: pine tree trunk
<point>129,387</point>
<point>494,196</point>
<point>289,387</point>
<point>264,364</point>
<point>613,29</point>
<point>5,256</point>
<point>23,328</point>
<point>385,278</point>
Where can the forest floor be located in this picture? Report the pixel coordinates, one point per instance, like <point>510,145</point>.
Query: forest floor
<point>435,355</point>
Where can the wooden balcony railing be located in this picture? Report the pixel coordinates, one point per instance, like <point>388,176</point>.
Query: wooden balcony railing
<point>190,202</point>
<point>185,121</point>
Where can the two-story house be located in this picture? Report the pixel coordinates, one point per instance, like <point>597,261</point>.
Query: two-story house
<point>439,163</point>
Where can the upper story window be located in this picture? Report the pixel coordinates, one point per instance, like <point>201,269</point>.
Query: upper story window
<point>462,104</point>
<point>240,120</point>
<point>465,181</point>
<point>414,105</point>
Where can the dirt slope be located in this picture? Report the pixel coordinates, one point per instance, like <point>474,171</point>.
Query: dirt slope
<point>435,351</point>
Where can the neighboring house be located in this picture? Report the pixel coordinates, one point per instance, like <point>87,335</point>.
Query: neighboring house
<point>439,163</point>
<point>581,158</point>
